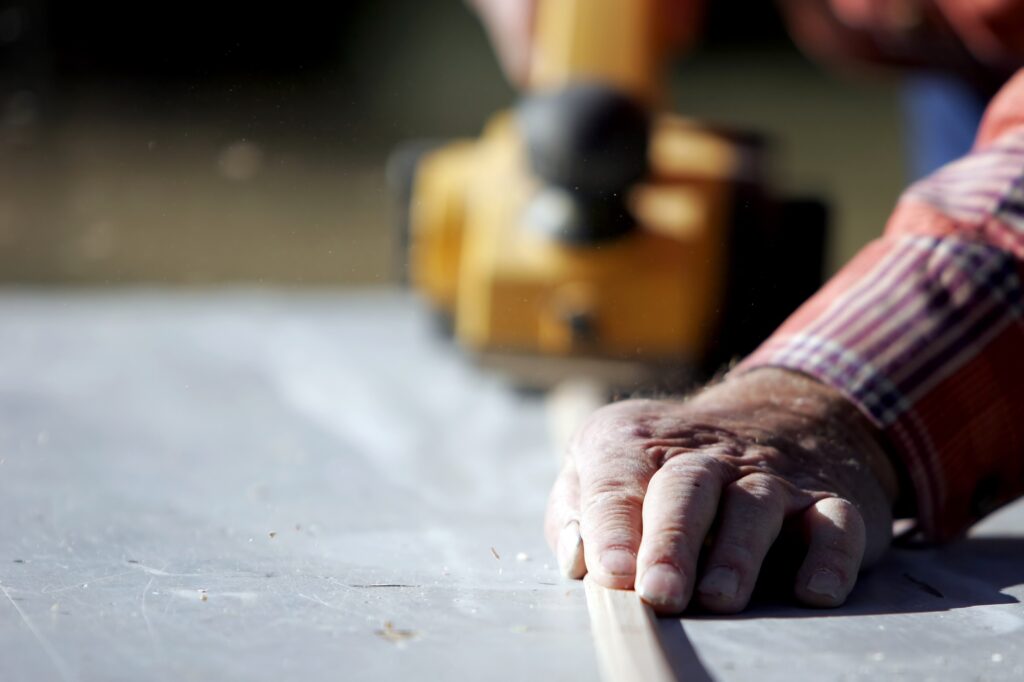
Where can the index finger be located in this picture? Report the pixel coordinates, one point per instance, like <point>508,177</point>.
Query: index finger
<point>611,501</point>
<point>613,472</point>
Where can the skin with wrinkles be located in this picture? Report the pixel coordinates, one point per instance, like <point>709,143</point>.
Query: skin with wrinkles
<point>682,500</point>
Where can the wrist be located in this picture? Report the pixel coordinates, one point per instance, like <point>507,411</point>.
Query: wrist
<point>810,414</point>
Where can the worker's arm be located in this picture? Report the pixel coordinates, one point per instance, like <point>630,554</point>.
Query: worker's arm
<point>913,351</point>
<point>924,329</point>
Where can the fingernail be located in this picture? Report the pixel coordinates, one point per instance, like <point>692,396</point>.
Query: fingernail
<point>720,582</point>
<point>618,562</point>
<point>662,585</point>
<point>570,551</point>
<point>825,582</point>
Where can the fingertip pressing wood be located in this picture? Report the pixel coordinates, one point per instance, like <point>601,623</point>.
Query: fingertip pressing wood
<point>626,636</point>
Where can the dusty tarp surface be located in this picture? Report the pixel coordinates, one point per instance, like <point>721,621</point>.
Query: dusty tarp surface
<point>263,486</point>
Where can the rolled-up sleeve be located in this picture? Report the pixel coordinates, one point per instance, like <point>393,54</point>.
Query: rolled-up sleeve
<point>924,330</point>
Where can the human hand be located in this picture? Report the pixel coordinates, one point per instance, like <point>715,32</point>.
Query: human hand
<point>676,498</point>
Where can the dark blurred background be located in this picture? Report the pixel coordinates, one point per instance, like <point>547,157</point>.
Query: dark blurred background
<point>195,142</point>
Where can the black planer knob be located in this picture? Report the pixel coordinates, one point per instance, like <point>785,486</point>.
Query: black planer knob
<point>588,144</point>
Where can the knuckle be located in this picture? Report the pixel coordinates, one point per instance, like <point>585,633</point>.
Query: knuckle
<point>846,516</point>
<point>759,483</point>
<point>736,555</point>
<point>841,505</point>
<point>841,553</point>
<point>855,522</point>
<point>695,470</point>
<point>671,535</point>
<point>613,425</point>
<point>613,502</point>
<point>650,558</point>
<point>672,532</point>
<point>765,490</point>
<point>628,420</point>
<point>675,545</point>
<point>847,575</point>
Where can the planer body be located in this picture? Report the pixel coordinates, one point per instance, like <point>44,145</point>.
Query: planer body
<point>590,231</point>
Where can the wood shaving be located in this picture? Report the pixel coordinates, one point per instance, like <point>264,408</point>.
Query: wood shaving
<point>392,634</point>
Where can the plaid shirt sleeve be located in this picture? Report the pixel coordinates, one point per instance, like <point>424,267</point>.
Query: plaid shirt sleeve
<point>924,329</point>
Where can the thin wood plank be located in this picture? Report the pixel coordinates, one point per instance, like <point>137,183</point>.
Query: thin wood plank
<point>626,636</point>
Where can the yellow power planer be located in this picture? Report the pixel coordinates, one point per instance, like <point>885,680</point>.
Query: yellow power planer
<point>588,233</point>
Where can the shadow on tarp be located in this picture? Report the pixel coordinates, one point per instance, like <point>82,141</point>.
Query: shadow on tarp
<point>682,658</point>
<point>971,572</point>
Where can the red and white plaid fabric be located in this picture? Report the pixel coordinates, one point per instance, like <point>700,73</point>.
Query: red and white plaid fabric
<point>924,329</point>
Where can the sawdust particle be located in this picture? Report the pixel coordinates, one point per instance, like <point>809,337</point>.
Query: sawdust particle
<point>272,534</point>
<point>393,634</point>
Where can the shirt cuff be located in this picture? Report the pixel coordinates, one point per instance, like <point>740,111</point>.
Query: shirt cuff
<point>924,334</point>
